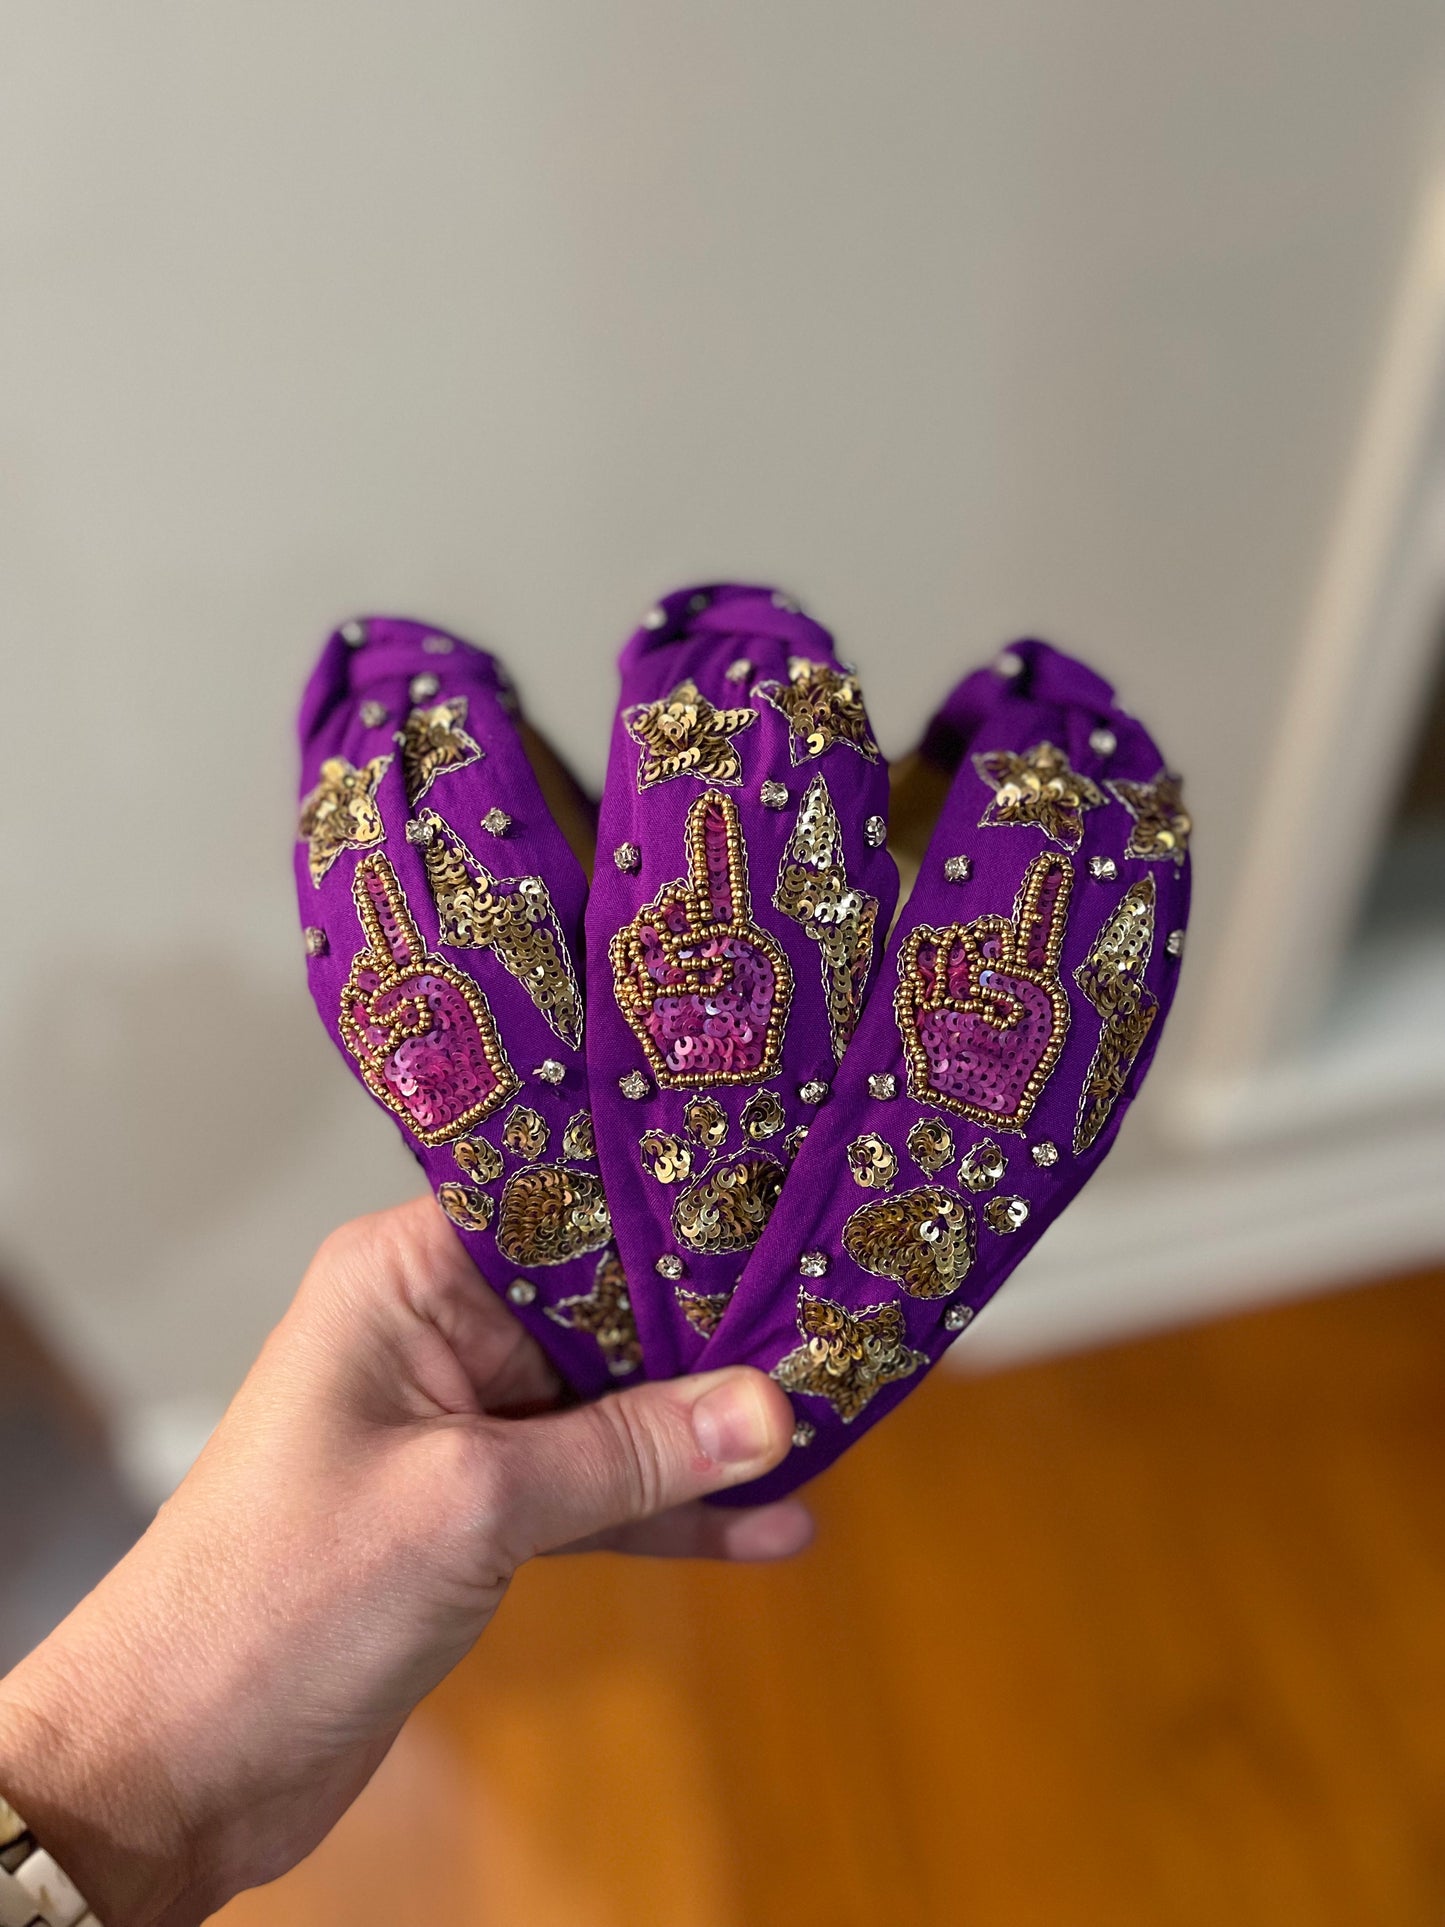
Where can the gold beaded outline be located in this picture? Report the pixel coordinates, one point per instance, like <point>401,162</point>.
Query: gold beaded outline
<point>910,991</point>
<point>629,965</point>
<point>377,956</point>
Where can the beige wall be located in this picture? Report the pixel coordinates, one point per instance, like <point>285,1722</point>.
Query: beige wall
<point>961,320</point>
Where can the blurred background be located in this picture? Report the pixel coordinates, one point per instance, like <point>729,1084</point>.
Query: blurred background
<point>1120,324</point>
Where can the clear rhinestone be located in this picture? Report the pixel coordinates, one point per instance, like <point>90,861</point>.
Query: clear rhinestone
<point>1045,1153</point>
<point>1005,1214</point>
<point>437,645</point>
<point>957,869</point>
<point>697,603</point>
<point>1103,742</point>
<point>315,940</point>
<point>814,1091</point>
<point>956,1317</point>
<point>521,1291</point>
<point>1103,869</point>
<point>782,600</point>
<point>621,1367</point>
<point>423,687</point>
<point>353,634</point>
<point>656,618</point>
<point>814,1264</point>
<point>627,857</point>
<point>1174,943</point>
<point>875,832</point>
<point>773,795</point>
<point>1008,664</point>
<point>496,822</point>
<point>738,670</point>
<point>669,1265</point>
<point>634,1085</point>
<point>882,1084</point>
<point>804,1432</point>
<point>420,832</point>
<point>550,1071</point>
<point>373,714</point>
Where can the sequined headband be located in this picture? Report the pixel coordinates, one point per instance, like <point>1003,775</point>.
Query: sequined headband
<point>779,1128</point>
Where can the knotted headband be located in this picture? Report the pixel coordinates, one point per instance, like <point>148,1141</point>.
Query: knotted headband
<point>817,1155</point>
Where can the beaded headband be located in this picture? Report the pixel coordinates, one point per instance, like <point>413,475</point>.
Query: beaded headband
<point>764,1136</point>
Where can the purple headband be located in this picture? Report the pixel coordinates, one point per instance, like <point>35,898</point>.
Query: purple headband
<point>817,1156</point>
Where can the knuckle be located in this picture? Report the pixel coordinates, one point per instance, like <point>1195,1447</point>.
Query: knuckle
<point>637,1453</point>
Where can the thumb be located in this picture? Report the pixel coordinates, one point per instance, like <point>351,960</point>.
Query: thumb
<point>569,1475</point>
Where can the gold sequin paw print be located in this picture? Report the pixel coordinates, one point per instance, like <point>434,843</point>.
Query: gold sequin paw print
<point>924,1238</point>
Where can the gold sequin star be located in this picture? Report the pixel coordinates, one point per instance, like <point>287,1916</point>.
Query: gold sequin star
<point>684,735</point>
<point>821,706</point>
<point>1038,789</point>
<point>434,742</point>
<point>703,1310</point>
<point>605,1312</point>
<point>342,812</point>
<point>846,1356</point>
<point>1160,832</point>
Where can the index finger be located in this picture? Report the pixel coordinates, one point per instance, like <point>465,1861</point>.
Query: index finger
<point>716,863</point>
<point>391,932</point>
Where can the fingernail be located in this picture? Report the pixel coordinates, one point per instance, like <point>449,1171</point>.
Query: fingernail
<point>730,1424</point>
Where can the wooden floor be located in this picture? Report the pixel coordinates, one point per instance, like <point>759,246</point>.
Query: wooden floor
<point>1150,1638</point>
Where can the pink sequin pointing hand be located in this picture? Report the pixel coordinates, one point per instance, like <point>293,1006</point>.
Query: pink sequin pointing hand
<point>980,1006</point>
<point>704,989</point>
<point>420,1031</point>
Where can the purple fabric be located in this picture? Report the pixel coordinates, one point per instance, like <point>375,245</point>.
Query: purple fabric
<point>818,1158</point>
<point>381,669</point>
<point>733,626</point>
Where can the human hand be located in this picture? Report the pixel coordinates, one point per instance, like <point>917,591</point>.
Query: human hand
<point>980,1005</point>
<point>205,1716</point>
<point>704,988</point>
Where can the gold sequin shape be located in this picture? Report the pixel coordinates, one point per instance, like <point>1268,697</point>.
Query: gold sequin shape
<point>763,1116</point>
<point>1112,978</point>
<point>667,1156</point>
<point>682,734</point>
<point>465,1205</point>
<point>982,1165</point>
<point>1038,790</point>
<point>579,1140</point>
<point>728,1210</point>
<point>606,1313</point>
<point>930,1145</point>
<point>707,1121</point>
<point>341,813</point>
<point>847,1356</point>
<point>813,889</point>
<point>1161,827</point>
<point>703,1310</point>
<point>821,706</point>
<point>793,1142</point>
<point>873,1161</point>
<point>551,1213</point>
<point>525,1133</point>
<point>513,917</point>
<point>481,1161</point>
<point>925,1239</point>
<point>432,743</point>
<point>1006,1215</point>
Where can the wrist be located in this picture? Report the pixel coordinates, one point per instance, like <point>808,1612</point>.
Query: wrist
<point>82,1767</point>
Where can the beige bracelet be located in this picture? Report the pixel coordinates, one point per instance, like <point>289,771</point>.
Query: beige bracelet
<point>34,1892</point>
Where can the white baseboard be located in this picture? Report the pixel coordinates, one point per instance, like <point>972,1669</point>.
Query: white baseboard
<point>1222,1234</point>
